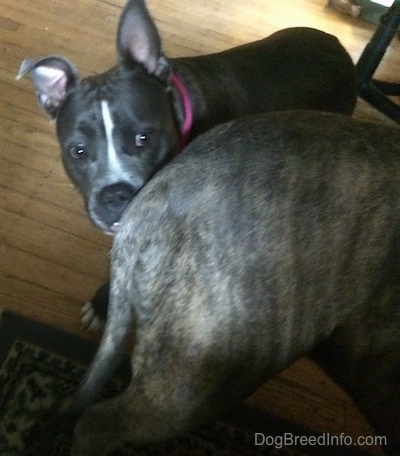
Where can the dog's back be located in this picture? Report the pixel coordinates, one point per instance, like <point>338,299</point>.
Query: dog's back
<point>240,256</point>
<point>285,208</point>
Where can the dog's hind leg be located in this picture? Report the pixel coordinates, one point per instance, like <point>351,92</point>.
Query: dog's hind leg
<point>168,395</point>
<point>363,357</point>
<point>104,427</point>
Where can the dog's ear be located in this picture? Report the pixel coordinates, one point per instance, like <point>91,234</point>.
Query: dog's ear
<point>52,77</point>
<point>138,39</point>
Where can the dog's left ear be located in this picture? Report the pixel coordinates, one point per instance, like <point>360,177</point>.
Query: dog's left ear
<point>53,77</point>
<point>139,41</point>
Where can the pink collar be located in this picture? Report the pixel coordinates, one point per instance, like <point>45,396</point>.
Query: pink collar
<point>187,109</point>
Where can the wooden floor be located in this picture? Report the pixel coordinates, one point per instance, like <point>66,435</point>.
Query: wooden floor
<point>51,258</point>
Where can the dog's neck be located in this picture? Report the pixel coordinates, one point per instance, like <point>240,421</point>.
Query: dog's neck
<point>187,108</point>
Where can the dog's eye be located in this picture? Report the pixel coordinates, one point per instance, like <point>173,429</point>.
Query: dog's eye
<point>141,140</point>
<point>78,151</point>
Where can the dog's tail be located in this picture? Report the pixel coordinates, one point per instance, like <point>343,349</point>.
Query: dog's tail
<point>107,358</point>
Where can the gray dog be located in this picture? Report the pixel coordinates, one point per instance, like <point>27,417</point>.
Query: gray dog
<point>269,238</point>
<point>118,128</point>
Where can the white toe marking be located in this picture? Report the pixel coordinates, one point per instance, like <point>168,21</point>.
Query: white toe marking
<point>89,320</point>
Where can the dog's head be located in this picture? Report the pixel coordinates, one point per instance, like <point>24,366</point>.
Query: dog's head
<point>115,129</point>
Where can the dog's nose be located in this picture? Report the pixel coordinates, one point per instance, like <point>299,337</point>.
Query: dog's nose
<point>115,198</point>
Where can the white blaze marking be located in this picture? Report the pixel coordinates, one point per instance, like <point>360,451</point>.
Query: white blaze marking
<point>115,165</point>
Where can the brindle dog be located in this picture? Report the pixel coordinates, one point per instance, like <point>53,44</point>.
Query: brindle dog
<point>270,238</point>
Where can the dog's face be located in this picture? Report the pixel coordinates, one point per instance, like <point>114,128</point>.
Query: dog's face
<point>118,128</point>
<point>115,131</point>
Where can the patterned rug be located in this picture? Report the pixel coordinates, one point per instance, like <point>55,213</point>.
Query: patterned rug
<point>40,369</point>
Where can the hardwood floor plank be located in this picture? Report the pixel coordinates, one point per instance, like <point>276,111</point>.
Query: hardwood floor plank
<point>57,246</point>
<point>47,274</point>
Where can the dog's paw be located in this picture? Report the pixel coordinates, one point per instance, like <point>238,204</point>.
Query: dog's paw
<point>90,320</point>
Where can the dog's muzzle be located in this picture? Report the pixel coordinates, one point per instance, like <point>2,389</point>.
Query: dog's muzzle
<point>111,203</point>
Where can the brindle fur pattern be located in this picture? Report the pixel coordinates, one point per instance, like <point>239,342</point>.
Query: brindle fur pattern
<point>270,238</point>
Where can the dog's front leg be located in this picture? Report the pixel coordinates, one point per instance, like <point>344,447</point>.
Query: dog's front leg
<point>94,312</point>
<point>363,357</point>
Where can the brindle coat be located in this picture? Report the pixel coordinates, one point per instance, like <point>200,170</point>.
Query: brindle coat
<point>269,238</point>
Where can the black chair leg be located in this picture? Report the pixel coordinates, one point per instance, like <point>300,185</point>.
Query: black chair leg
<point>373,91</point>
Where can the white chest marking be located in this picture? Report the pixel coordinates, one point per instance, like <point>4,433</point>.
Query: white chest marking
<point>114,163</point>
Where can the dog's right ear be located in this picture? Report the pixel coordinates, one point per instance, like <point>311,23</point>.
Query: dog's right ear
<point>138,39</point>
<point>52,77</point>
